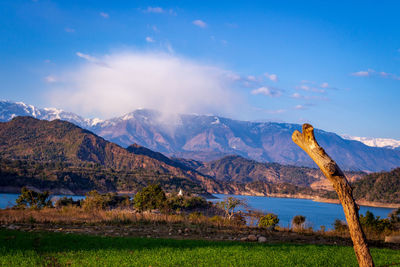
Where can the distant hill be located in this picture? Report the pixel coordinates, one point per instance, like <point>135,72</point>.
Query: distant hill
<point>207,138</point>
<point>241,170</point>
<point>42,142</point>
<point>381,186</point>
<point>62,157</point>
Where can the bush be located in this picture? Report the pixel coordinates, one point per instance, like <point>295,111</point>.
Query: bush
<point>95,200</point>
<point>298,221</point>
<point>186,203</point>
<point>370,223</point>
<point>340,226</point>
<point>151,197</point>
<point>268,221</point>
<point>32,199</point>
<point>67,201</point>
<point>218,220</point>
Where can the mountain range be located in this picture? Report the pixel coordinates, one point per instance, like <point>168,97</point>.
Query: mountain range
<point>64,158</point>
<point>207,138</point>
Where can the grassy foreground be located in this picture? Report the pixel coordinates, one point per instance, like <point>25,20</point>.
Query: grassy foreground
<point>57,249</point>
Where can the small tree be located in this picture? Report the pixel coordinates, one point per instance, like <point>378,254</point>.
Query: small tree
<point>269,221</point>
<point>32,199</point>
<point>340,226</point>
<point>298,221</point>
<point>229,204</point>
<point>151,197</point>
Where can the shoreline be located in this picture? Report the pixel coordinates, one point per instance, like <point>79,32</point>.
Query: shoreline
<point>13,190</point>
<point>366,203</point>
<point>360,203</point>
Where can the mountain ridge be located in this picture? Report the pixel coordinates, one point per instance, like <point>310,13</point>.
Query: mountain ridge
<point>206,138</point>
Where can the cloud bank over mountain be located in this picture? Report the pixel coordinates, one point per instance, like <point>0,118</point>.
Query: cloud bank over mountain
<point>121,82</point>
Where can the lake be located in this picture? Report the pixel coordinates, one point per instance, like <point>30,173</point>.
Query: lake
<point>317,213</point>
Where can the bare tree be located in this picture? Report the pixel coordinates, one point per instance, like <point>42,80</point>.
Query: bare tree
<point>306,141</point>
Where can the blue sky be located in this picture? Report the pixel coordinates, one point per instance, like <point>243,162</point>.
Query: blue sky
<point>335,65</point>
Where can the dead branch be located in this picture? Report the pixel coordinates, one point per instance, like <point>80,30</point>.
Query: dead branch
<point>306,141</point>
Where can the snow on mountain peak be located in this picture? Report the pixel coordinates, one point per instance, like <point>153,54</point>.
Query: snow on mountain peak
<point>375,142</point>
<point>217,121</point>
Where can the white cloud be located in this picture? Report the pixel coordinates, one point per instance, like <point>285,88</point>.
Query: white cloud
<point>324,85</point>
<point>296,95</point>
<point>104,15</point>
<point>200,23</point>
<point>309,97</point>
<point>251,78</point>
<point>300,107</point>
<point>87,57</point>
<point>269,91</point>
<point>154,10</point>
<point>149,39</point>
<point>305,87</point>
<point>70,30</point>
<point>389,75</point>
<point>272,77</point>
<point>135,80</point>
<point>371,72</point>
<point>363,73</point>
<point>50,79</point>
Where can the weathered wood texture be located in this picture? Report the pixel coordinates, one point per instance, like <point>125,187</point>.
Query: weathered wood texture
<point>306,141</point>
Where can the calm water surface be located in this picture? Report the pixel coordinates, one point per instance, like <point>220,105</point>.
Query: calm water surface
<point>8,200</point>
<point>316,213</point>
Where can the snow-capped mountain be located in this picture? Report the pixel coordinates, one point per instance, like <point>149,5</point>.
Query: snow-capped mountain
<point>9,110</point>
<point>376,142</point>
<point>207,138</point>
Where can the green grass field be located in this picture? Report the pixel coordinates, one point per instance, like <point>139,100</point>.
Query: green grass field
<point>57,249</point>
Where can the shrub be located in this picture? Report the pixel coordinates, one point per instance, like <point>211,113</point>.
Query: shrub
<point>32,199</point>
<point>95,200</point>
<point>239,219</point>
<point>298,221</point>
<point>370,223</point>
<point>218,220</point>
<point>269,221</point>
<point>340,226</point>
<point>67,201</point>
<point>151,197</point>
<point>195,217</point>
<point>186,203</point>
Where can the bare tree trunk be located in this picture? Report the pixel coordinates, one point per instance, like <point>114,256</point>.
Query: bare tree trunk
<point>306,140</point>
